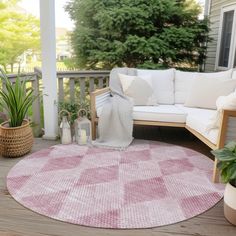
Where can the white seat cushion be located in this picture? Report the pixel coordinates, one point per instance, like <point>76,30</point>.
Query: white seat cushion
<point>199,120</point>
<point>196,118</point>
<point>163,84</point>
<point>162,113</point>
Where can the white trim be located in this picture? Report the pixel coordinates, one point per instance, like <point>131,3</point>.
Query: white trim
<point>53,138</point>
<point>48,47</point>
<point>226,8</point>
<point>207,8</point>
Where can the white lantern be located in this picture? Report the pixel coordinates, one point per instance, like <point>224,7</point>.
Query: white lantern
<point>65,130</point>
<point>83,128</point>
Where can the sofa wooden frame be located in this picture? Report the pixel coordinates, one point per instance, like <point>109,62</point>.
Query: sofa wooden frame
<point>226,114</point>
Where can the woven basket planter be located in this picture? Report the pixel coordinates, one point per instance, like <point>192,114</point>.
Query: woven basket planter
<point>15,141</point>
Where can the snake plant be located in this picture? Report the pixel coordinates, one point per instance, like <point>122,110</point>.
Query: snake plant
<point>15,99</point>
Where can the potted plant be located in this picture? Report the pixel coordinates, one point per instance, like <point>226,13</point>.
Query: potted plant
<point>16,136</point>
<point>227,166</point>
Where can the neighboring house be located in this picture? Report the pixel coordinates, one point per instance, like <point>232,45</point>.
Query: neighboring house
<point>221,50</point>
<point>30,58</point>
<point>63,46</point>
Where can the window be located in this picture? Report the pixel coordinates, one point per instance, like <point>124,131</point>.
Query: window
<point>227,40</point>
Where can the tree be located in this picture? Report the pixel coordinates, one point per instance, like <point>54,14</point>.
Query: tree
<point>18,33</point>
<point>137,33</point>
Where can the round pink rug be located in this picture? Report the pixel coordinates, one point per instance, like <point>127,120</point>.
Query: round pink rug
<point>150,184</point>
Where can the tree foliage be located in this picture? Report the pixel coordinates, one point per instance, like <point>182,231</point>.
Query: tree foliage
<point>137,33</point>
<point>18,32</point>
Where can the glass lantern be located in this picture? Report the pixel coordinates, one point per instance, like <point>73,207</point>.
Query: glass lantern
<point>65,130</point>
<point>82,128</point>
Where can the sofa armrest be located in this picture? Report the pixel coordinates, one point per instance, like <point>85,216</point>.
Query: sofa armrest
<point>227,128</point>
<point>97,99</point>
<point>100,91</point>
<point>227,133</point>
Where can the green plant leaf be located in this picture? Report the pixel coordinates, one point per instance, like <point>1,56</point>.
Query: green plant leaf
<point>231,146</point>
<point>16,99</point>
<point>224,154</point>
<point>232,171</point>
<point>222,165</point>
<point>227,162</point>
<point>224,175</point>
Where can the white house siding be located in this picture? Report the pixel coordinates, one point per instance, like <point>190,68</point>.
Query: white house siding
<point>215,12</point>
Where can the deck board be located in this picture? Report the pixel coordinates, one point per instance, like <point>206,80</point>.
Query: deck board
<point>15,220</point>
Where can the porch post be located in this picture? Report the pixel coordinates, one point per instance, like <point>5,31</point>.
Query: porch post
<point>207,8</point>
<point>48,47</point>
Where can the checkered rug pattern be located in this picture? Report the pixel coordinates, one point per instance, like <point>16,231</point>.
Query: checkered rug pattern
<point>149,184</point>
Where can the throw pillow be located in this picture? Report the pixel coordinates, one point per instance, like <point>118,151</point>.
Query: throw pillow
<point>223,102</point>
<point>163,84</point>
<point>204,92</point>
<point>138,89</point>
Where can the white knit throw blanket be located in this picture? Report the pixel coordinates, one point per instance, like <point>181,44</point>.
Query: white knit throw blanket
<point>115,126</point>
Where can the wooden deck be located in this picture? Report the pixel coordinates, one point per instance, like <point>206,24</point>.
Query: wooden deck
<point>15,220</point>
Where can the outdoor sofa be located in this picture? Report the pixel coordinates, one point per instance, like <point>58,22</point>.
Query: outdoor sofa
<point>172,88</point>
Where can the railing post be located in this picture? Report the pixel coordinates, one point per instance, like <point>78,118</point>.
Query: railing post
<point>82,89</point>
<point>72,89</point>
<point>91,84</point>
<point>100,82</point>
<point>107,81</point>
<point>36,108</point>
<point>61,89</point>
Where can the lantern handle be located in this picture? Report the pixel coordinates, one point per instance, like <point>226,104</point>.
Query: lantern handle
<point>65,111</point>
<point>81,111</point>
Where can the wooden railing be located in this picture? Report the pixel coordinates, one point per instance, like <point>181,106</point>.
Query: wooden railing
<point>73,86</point>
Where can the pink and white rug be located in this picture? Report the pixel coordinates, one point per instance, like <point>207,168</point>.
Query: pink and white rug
<point>150,184</point>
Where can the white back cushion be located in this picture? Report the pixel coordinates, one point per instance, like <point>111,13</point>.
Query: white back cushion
<point>205,92</point>
<point>217,75</point>
<point>234,75</point>
<point>184,81</point>
<point>163,84</point>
